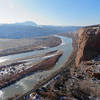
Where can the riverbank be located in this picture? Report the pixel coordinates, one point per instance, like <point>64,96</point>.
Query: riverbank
<point>16,46</point>
<point>81,80</point>
<point>15,74</point>
<point>27,83</point>
<point>45,83</point>
<point>7,61</point>
<point>51,78</point>
<point>54,87</point>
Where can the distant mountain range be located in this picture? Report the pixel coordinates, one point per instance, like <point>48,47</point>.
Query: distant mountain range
<point>27,23</point>
<point>30,29</point>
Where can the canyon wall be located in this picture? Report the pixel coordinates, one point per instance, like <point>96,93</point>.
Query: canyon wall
<point>88,43</point>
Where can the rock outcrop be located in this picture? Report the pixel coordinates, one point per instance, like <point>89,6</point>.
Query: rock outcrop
<point>83,82</point>
<point>88,43</point>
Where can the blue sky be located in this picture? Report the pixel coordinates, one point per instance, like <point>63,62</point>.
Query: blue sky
<point>51,12</point>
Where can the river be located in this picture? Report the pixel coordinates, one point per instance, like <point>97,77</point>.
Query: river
<point>28,82</point>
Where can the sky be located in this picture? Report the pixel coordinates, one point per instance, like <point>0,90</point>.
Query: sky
<point>51,12</point>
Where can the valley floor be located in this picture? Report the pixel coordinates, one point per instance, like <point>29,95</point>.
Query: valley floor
<point>15,46</point>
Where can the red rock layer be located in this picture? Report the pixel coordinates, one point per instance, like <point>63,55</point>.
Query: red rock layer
<point>88,43</point>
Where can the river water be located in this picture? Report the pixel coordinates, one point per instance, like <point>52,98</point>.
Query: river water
<point>28,82</point>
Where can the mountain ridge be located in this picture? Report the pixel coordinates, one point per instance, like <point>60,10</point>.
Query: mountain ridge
<point>27,30</point>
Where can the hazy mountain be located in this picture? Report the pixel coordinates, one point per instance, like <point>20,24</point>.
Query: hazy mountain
<point>27,23</point>
<point>31,29</point>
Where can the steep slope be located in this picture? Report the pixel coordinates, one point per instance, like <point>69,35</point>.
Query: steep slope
<point>81,82</point>
<point>88,43</point>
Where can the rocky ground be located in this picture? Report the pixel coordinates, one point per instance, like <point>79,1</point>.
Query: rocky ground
<point>81,80</point>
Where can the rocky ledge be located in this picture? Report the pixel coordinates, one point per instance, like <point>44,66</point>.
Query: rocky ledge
<point>88,43</point>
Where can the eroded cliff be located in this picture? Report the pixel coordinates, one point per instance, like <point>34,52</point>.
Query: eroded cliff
<point>88,43</point>
<point>81,82</point>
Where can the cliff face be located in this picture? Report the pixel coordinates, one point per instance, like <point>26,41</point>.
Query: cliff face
<point>88,43</point>
<point>79,83</point>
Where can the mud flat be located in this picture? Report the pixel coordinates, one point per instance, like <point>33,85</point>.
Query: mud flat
<point>15,46</point>
<point>24,59</point>
<point>18,71</point>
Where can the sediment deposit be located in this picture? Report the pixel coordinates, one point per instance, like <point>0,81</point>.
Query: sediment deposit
<point>16,46</point>
<point>16,71</point>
